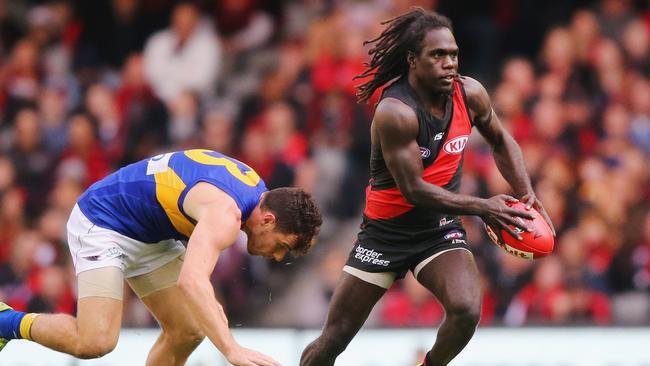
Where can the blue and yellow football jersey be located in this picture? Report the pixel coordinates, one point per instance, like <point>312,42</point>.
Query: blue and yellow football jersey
<point>144,200</point>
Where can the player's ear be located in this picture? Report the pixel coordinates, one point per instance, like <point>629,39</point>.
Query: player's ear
<point>410,58</point>
<point>268,218</point>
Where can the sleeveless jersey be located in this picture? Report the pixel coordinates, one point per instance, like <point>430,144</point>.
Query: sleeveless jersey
<point>442,141</point>
<point>144,200</point>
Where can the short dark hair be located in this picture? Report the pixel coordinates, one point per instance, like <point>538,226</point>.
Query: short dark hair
<point>403,34</point>
<point>295,213</point>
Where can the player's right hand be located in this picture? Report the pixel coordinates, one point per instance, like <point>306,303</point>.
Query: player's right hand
<point>498,214</point>
<point>241,356</point>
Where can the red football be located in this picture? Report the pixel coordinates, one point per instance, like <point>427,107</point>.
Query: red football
<point>534,244</point>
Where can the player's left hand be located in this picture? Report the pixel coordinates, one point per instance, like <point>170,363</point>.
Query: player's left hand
<point>531,200</point>
<point>241,356</point>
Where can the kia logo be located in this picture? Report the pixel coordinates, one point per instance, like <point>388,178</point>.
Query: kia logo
<point>456,145</point>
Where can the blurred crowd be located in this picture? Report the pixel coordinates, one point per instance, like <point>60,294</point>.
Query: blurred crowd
<point>89,86</point>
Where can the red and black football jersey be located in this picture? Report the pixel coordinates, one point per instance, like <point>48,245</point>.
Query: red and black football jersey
<point>442,142</point>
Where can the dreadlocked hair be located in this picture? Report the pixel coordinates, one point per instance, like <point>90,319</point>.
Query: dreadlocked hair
<point>404,33</point>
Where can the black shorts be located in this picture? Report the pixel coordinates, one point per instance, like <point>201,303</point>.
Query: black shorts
<point>372,254</point>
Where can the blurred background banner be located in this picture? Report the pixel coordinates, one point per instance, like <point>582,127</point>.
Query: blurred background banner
<point>388,347</point>
<point>89,86</point>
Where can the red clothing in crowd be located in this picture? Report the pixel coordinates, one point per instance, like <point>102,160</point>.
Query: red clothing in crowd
<point>95,163</point>
<point>400,310</point>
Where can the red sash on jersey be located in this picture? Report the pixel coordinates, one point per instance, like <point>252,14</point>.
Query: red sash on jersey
<point>389,203</point>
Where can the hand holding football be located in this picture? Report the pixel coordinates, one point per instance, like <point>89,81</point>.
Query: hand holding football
<point>537,243</point>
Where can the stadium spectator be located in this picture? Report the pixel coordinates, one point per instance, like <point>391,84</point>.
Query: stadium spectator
<point>12,220</point>
<point>184,57</point>
<point>101,106</point>
<point>143,115</point>
<point>217,131</point>
<point>33,164</point>
<point>21,270</point>
<point>256,151</point>
<point>182,126</point>
<point>542,301</point>
<point>52,114</point>
<point>284,140</point>
<point>52,292</point>
<point>84,160</point>
<point>243,25</point>
<point>21,78</point>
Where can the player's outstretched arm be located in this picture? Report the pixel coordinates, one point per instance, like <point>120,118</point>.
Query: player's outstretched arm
<point>395,127</point>
<point>507,154</point>
<point>218,223</point>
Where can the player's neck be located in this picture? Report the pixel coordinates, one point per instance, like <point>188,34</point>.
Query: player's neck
<point>433,102</point>
<point>253,219</point>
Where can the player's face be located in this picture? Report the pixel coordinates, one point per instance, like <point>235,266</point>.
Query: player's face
<point>269,243</point>
<point>437,64</point>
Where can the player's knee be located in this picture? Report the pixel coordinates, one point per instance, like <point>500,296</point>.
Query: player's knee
<point>465,312</point>
<point>189,337</point>
<point>95,348</point>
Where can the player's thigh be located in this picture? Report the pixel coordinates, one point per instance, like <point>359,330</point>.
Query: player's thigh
<point>173,313</point>
<point>370,270</point>
<point>98,263</point>
<point>158,291</point>
<point>99,307</point>
<point>351,303</point>
<point>453,277</point>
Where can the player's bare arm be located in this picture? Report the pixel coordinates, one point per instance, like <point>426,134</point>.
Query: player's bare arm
<point>507,154</point>
<point>213,209</point>
<point>395,129</point>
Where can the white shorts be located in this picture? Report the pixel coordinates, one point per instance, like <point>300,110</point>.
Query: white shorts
<point>94,247</point>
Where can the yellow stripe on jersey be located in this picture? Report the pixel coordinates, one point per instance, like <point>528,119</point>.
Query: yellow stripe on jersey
<point>250,177</point>
<point>169,187</point>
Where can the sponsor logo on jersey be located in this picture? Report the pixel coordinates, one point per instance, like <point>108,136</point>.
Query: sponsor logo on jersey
<point>158,164</point>
<point>438,136</point>
<point>424,152</point>
<point>456,145</point>
<point>370,256</point>
<point>454,235</point>
<point>112,252</point>
<point>444,221</point>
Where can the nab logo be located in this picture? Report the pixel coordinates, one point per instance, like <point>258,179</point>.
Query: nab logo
<point>424,152</point>
<point>456,145</point>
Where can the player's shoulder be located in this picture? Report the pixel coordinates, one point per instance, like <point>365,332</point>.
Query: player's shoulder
<point>473,88</point>
<point>394,113</point>
<point>205,195</point>
<point>477,96</point>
